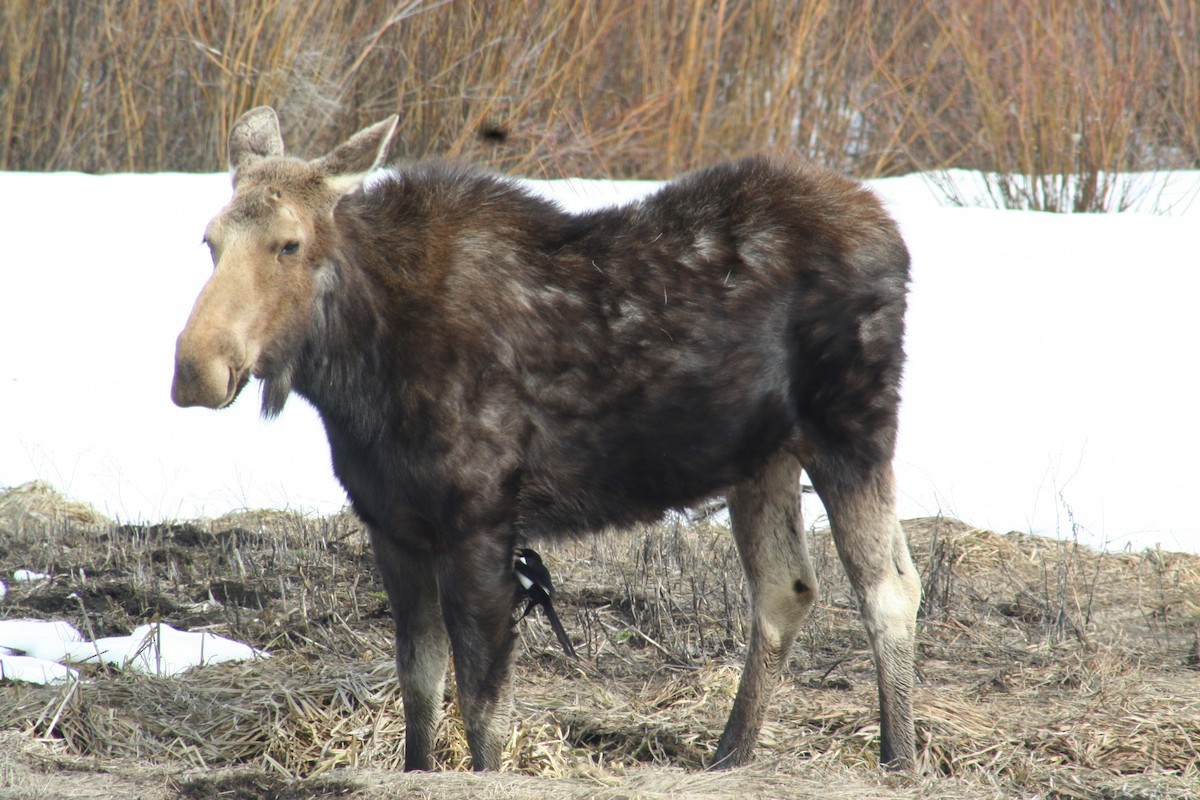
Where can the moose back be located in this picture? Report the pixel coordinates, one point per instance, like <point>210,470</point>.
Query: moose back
<point>491,369</point>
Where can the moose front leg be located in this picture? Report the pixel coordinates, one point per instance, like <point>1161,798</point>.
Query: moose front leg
<point>422,649</point>
<point>477,584</point>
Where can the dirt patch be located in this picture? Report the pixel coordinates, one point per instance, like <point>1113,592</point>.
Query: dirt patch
<point>113,607</point>
<point>257,786</point>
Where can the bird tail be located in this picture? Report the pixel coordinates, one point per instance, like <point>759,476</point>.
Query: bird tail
<point>560,632</point>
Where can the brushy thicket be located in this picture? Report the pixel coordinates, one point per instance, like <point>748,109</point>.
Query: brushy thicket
<point>1059,94</point>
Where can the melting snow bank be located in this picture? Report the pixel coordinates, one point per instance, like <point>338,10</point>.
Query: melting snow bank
<point>1051,378</point>
<point>38,651</point>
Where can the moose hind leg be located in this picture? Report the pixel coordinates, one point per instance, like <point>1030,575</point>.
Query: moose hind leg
<point>874,551</point>
<point>422,649</point>
<point>769,533</point>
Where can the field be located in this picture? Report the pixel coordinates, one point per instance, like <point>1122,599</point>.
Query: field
<point>1047,669</point>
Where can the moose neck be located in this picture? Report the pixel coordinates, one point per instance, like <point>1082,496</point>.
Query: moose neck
<point>353,351</point>
<point>394,324</point>
<point>337,370</point>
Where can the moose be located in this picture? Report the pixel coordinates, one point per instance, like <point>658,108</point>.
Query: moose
<point>492,369</point>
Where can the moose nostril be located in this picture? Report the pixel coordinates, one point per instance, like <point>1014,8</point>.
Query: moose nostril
<point>186,373</point>
<point>198,383</point>
<point>185,378</point>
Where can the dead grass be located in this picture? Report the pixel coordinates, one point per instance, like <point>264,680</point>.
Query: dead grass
<point>38,504</point>
<point>1048,99</point>
<point>1047,669</point>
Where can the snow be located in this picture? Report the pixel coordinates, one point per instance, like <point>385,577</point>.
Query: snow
<point>28,575</point>
<point>1051,385</point>
<point>39,651</point>
<point>40,639</point>
<point>35,670</point>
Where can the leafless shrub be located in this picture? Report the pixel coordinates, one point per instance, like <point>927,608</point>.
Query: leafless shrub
<point>1049,100</point>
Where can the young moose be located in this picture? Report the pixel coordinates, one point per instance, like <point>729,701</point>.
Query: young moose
<point>489,367</point>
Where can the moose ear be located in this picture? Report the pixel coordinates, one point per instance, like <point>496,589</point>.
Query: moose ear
<point>347,166</point>
<point>255,135</point>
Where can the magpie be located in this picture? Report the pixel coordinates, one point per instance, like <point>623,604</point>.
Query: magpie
<point>534,579</point>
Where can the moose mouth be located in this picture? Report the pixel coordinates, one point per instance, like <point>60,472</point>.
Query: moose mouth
<point>190,388</point>
<point>237,382</point>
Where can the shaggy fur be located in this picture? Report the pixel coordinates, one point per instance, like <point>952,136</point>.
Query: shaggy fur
<point>489,367</point>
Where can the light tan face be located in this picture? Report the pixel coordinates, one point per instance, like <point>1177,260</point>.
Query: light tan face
<point>254,310</point>
<point>269,247</point>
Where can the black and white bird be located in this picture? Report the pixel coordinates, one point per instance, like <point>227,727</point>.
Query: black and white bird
<point>534,579</point>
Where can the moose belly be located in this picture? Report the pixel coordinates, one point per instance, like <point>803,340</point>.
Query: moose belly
<point>633,463</point>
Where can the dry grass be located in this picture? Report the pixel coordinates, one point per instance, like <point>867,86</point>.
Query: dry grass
<point>1048,669</point>
<point>37,503</point>
<point>1050,98</point>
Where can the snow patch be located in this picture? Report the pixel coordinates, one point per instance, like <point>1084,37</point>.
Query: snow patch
<point>1050,386</point>
<point>40,651</point>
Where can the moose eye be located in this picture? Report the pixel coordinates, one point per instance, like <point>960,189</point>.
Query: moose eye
<point>289,248</point>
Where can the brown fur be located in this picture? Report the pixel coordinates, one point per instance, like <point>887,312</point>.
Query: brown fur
<point>490,367</point>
